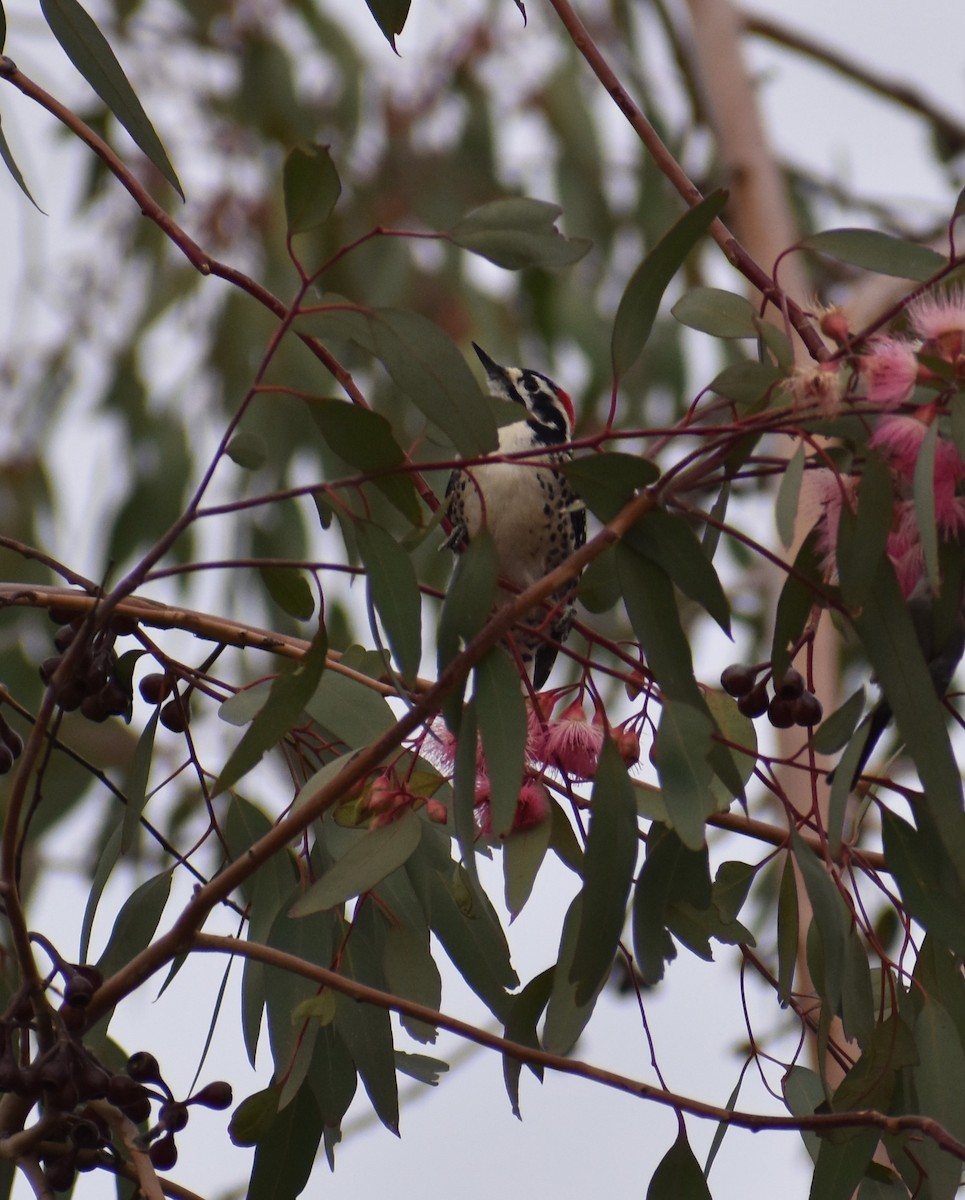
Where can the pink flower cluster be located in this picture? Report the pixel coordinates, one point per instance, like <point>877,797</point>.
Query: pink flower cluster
<point>891,370</point>
<point>569,744</point>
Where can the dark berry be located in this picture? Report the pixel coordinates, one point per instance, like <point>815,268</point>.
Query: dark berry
<point>61,614</point>
<point>10,738</point>
<point>94,708</point>
<point>155,688</point>
<point>60,1172</point>
<point>164,1153</point>
<point>85,1135</point>
<point>216,1094</point>
<point>121,625</point>
<point>737,679</point>
<point>144,1067</point>
<point>754,704</point>
<point>780,712</point>
<point>65,635</point>
<point>48,668</point>
<point>78,991</point>
<point>174,716</point>
<point>6,758</point>
<point>808,710</point>
<point>791,686</point>
<point>174,1116</point>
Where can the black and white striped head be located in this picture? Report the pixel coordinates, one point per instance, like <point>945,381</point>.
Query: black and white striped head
<point>549,409</point>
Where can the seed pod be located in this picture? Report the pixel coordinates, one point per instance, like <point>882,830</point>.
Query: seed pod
<point>10,738</point>
<point>78,991</point>
<point>754,704</point>
<point>60,1172</point>
<point>808,710</point>
<point>174,716</point>
<point>174,1116</point>
<point>780,712</point>
<point>164,1153</point>
<point>737,679</point>
<point>65,635</point>
<point>156,687</point>
<point>143,1067</point>
<point>791,685</point>
<point>121,625</point>
<point>216,1094</point>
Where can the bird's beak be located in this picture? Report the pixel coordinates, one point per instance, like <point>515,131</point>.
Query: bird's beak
<point>493,369</point>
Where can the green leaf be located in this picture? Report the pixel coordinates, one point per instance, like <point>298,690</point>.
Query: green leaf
<point>840,1166</point>
<point>290,590</point>
<point>137,783</point>
<point>678,1175</point>
<point>501,714</point>
<point>891,642</point>
<point>566,1017</point>
<point>464,779</point>
<point>312,186</point>
<point>748,384</point>
<point>938,1077</point>
<point>608,865</point>
<point>394,590</point>
<point>926,880</point>
<point>88,50</point>
<point>411,971</point>
<point>421,1066</point>
<point>375,854</point>
<point>3,27</point>
<point>367,1032</point>
<point>835,730</point>
<point>355,713</point>
<point>390,16</point>
<point>719,313</point>
<point>248,450</point>
<point>285,1154</point>
<point>641,298</point>
<point>425,364</point>
<point>800,591</point>
<point>332,1078</point>
<point>469,598</point>
<point>803,1093</point>
<point>516,233</point>
<point>364,439</point>
<point>788,924</point>
<point>671,543</point>
<point>857,999</point>
<point>670,873</point>
<point>136,923</point>
<point>473,939</point>
<point>523,856</point>
<point>286,701</point>
<point>830,915</point>
<point>872,250</point>
<point>11,164</point>
<point>524,1013</point>
<point>682,749</point>
<point>788,494</point>
<point>254,1116</point>
<point>105,865</point>
<point>607,483</point>
<point>651,605</point>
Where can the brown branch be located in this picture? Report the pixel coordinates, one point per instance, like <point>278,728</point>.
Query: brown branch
<point>530,1055</point>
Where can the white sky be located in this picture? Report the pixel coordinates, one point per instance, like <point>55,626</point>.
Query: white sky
<point>575,1138</point>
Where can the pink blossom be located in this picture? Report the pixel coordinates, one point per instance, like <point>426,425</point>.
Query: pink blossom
<point>818,385</point>
<point>572,743</point>
<point>936,315</point>
<point>532,807</point>
<point>831,490</point>
<point>891,370</point>
<point>900,438</point>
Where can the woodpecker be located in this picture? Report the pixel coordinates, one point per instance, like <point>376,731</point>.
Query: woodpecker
<point>535,518</point>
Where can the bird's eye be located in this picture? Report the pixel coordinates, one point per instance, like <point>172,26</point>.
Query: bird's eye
<point>531,384</point>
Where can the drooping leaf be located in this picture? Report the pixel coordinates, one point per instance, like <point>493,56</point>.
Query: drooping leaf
<point>136,923</point>
<point>394,590</point>
<point>346,707</point>
<point>89,51</point>
<point>285,1153</point>
<point>425,364</point>
<point>924,494</point>
<point>608,864</point>
<point>926,879</point>
<point>682,752</point>
<point>835,730</point>
<point>11,164</point>
<point>941,1061</point>
<point>105,865</point>
<point>566,1017</point>
<point>671,543</point>
<point>286,700</point>
<point>516,233</point>
<point>311,186</point>
<point>873,250</point>
<point>840,1166</point>
<point>423,1067</point>
<point>390,16</point>
<point>525,1010</point>
<point>523,856</point>
<point>641,297</point>
<point>466,608</point>
<point>748,384</point>
<point>606,483</point>
<point>138,781</point>
<point>367,1032</point>
<point>290,590</point>
<point>863,536</point>
<point>364,439</point>
<point>719,313</point>
<point>678,1175</point>
<point>800,591</point>
<point>248,450</point>
<point>411,971</point>
<point>788,494</point>
<point>831,917</point>
<point>375,854</point>
<point>501,714</point>
<point>670,874</point>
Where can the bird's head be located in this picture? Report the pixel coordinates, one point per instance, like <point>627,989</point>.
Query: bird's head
<point>549,409</point>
